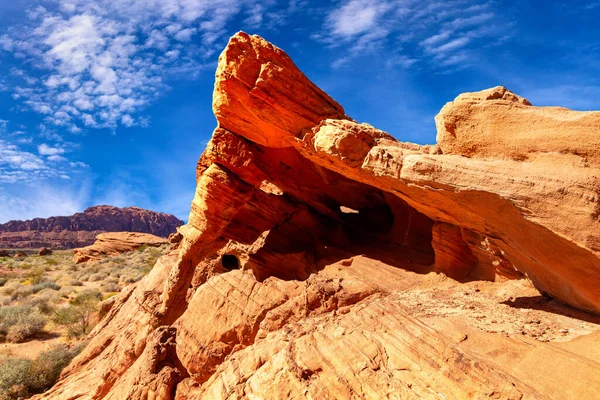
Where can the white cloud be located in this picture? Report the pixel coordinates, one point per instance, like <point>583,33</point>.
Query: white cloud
<point>46,150</point>
<point>356,17</point>
<point>127,120</point>
<point>104,61</point>
<point>441,33</point>
<point>18,165</point>
<point>45,200</point>
<point>56,158</point>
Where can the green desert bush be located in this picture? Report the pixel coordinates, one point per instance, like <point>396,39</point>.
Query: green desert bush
<point>98,276</point>
<point>110,286</point>
<point>45,285</point>
<point>19,323</point>
<point>10,287</point>
<point>43,304</point>
<point>15,373</point>
<point>3,281</point>
<point>21,378</point>
<point>52,261</point>
<point>36,275</point>
<point>21,292</point>
<point>66,291</point>
<point>84,277</point>
<point>77,316</point>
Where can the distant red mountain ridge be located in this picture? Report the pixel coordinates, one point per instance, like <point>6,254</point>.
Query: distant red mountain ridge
<point>81,229</point>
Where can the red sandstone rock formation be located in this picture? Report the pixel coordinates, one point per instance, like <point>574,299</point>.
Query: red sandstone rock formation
<point>81,229</point>
<point>325,259</point>
<point>114,244</point>
<point>44,251</point>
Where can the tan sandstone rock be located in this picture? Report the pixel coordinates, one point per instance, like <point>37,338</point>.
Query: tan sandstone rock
<point>114,244</point>
<point>324,259</point>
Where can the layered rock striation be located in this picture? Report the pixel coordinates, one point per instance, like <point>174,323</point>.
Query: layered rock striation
<point>81,229</point>
<point>323,258</point>
<point>114,244</point>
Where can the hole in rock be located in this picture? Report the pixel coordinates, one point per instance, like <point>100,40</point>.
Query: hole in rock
<point>230,262</point>
<point>324,217</point>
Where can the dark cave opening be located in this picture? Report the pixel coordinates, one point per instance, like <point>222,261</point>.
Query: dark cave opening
<point>230,262</point>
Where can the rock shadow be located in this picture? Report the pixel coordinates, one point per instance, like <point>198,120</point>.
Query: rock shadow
<point>548,304</point>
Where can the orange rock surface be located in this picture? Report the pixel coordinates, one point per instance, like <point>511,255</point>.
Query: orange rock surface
<point>114,244</point>
<point>324,259</point>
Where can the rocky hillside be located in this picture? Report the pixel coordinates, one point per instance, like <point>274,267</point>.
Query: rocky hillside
<point>324,259</point>
<point>81,229</point>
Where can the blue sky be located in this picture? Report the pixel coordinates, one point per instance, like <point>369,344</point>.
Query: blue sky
<point>109,101</point>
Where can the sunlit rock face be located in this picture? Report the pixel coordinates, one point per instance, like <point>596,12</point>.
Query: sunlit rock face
<point>323,258</point>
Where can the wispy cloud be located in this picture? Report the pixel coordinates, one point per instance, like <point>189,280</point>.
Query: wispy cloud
<point>99,63</point>
<point>20,165</point>
<point>442,34</point>
<point>26,202</point>
<point>46,150</point>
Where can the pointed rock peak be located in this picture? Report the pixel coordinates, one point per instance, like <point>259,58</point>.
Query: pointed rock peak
<point>495,93</point>
<point>261,95</point>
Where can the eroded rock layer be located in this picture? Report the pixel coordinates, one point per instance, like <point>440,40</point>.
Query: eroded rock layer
<point>325,259</point>
<point>81,229</point>
<point>114,244</point>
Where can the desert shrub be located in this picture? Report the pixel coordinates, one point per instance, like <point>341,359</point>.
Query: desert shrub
<point>110,286</point>
<point>66,291</point>
<point>14,375</point>
<point>116,275</point>
<point>130,279</point>
<point>45,285</point>
<point>109,295</point>
<point>42,304</point>
<point>36,275</point>
<point>21,332</point>
<point>98,276</point>
<point>84,277</point>
<point>73,267</point>
<point>21,378</point>
<point>21,292</point>
<point>3,281</point>
<point>73,282</point>
<point>77,316</point>
<point>52,261</point>
<point>5,300</point>
<point>142,248</point>
<point>118,261</point>
<point>93,267</point>
<point>10,287</point>
<point>49,295</point>
<point>19,323</point>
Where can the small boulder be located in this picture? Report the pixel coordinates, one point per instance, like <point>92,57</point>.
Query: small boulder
<point>20,254</point>
<point>44,251</point>
<point>175,238</point>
